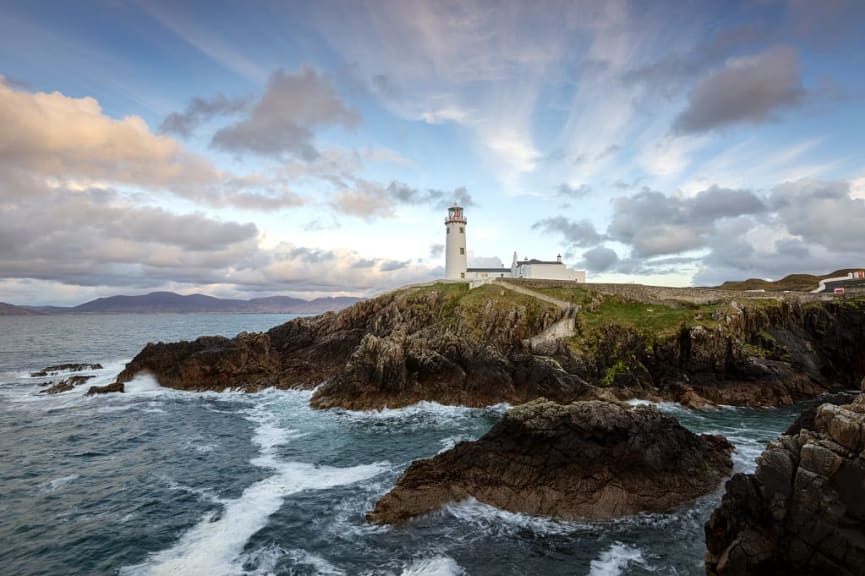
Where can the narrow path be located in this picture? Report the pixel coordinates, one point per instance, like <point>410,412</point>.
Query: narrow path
<point>554,301</point>
<point>564,328</point>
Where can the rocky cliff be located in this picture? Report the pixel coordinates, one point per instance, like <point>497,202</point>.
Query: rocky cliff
<point>593,459</point>
<point>445,343</point>
<point>803,510</point>
<point>739,352</point>
<point>440,343</point>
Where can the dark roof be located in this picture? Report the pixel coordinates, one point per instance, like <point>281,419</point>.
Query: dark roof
<point>535,261</point>
<point>508,270</point>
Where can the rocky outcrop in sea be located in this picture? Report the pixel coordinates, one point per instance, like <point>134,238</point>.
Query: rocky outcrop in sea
<point>447,344</point>
<point>594,460</point>
<point>803,510</point>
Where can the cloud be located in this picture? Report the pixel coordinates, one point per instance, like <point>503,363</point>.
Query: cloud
<point>484,261</point>
<point>821,213</point>
<point>283,120</point>
<point>805,226</point>
<point>746,90</point>
<point>672,67</point>
<point>436,251</point>
<point>599,259</point>
<point>374,200</point>
<point>99,238</point>
<point>580,233</point>
<point>654,224</point>
<point>200,110</point>
<point>96,237</point>
<point>71,138</point>
<point>569,191</point>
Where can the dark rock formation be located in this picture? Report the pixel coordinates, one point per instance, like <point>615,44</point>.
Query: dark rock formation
<point>443,343</point>
<point>65,385</point>
<point>591,460</point>
<point>806,417</point>
<point>394,350</point>
<point>54,370</point>
<point>803,510</point>
<point>755,354</point>
<point>107,389</point>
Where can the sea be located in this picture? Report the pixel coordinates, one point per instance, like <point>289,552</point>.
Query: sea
<point>159,481</point>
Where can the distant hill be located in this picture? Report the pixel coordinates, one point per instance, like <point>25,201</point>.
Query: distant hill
<point>12,310</point>
<point>169,302</point>
<point>793,282</point>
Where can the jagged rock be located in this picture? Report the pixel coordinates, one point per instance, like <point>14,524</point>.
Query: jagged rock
<point>393,350</point>
<point>54,370</point>
<point>593,460</point>
<point>400,370</point>
<point>809,412</point>
<point>803,510</point>
<point>107,389</point>
<point>65,385</point>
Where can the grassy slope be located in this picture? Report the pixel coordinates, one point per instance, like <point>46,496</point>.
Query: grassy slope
<point>472,309</point>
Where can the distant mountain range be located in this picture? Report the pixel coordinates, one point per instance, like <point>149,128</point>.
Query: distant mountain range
<point>169,302</point>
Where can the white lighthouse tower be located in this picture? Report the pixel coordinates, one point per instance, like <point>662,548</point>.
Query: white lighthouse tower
<point>455,244</point>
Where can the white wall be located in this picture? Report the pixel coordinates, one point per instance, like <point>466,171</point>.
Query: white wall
<point>505,273</point>
<point>552,272</point>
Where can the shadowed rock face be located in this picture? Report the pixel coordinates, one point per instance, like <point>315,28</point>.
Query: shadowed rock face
<point>803,510</point>
<point>394,350</point>
<point>593,460</point>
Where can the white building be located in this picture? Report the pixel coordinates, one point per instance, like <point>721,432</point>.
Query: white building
<point>455,259</point>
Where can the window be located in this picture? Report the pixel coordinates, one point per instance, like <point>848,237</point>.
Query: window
<point>462,251</point>
<point>462,230</point>
<point>449,230</point>
<point>462,274</point>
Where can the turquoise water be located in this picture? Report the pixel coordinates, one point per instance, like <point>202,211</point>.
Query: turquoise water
<point>157,481</point>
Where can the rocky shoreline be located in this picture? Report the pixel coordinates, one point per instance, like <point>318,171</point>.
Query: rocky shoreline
<point>570,448</point>
<point>803,510</point>
<point>447,344</point>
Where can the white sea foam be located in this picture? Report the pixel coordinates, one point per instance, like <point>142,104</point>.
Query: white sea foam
<point>425,411</point>
<point>321,566</point>
<point>202,493</point>
<point>492,519</point>
<point>615,559</point>
<point>143,384</point>
<point>214,547</point>
<point>59,483</point>
<point>435,566</point>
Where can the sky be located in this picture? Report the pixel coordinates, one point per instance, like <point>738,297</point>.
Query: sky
<point>311,148</point>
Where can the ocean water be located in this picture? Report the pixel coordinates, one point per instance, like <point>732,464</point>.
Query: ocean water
<point>157,481</point>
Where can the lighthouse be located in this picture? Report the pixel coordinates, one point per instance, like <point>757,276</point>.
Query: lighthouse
<point>455,244</point>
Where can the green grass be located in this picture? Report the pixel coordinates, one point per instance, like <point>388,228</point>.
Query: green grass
<point>575,295</point>
<point>453,304</point>
<point>654,319</point>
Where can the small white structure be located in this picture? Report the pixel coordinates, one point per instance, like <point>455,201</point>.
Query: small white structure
<point>455,259</point>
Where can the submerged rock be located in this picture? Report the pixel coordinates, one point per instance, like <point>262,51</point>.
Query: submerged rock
<point>54,370</point>
<point>107,389</point>
<point>65,385</point>
<point>593,460</point>
<point>803,510</point>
